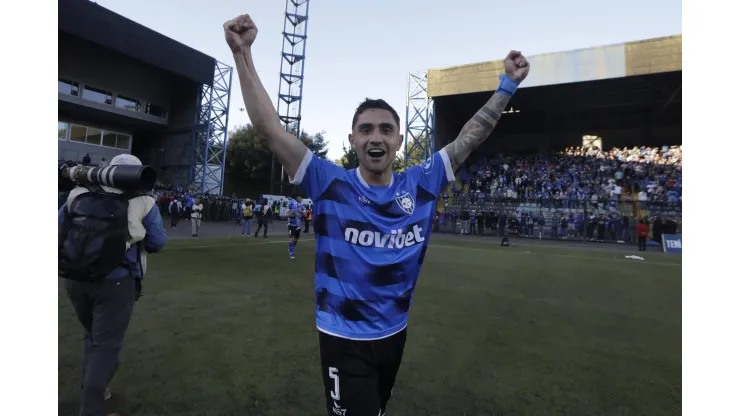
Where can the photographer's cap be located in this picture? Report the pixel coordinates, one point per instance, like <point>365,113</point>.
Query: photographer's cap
<point>125,159</point>
<point>121,160</point>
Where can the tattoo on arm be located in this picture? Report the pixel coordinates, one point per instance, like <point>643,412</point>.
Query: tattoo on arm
<point>476,130</point>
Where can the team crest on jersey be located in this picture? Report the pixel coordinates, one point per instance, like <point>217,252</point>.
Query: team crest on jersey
<point>406,202</point>
<point>426,167</point>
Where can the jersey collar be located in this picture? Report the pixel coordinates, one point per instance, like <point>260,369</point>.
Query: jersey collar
<point>362,180</point>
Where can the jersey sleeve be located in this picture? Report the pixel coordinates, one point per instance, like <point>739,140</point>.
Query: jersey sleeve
<point>435,173</point>
<point>314,175</point>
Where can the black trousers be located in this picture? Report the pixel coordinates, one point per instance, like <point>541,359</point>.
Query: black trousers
<point>642,243</point>
<point>359,375</point>
<point>104,309</point>
<point>261,222</point>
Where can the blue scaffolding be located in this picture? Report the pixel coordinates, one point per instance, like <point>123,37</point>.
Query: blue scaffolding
<point>210,133</point>
<point>290,93</point>
<point>419,118</point>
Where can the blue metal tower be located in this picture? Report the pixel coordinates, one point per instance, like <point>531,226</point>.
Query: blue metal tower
<point>210,133</point>
<point>290,94</point>
<point>419,118</point>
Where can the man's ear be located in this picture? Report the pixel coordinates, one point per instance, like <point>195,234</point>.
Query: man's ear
<point>400,142</point>
<point>351,141</point>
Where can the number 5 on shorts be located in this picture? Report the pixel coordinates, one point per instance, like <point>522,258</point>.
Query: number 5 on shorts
<point>334,376</point>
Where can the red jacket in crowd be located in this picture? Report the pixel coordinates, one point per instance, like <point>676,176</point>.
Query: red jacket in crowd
<point>643,230</point>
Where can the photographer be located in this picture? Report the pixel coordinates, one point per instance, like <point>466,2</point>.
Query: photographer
<point>104,233</point>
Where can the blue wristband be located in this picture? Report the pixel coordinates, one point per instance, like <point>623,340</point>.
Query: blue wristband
<point>506,86</point>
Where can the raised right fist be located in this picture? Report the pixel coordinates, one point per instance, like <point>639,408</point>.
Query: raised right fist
<point>240,33</point>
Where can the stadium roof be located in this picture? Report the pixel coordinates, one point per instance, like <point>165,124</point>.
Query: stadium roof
<point>651,56</point>
<point>94,23</point>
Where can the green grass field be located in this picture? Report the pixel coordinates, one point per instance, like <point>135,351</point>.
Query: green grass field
<point>226,327</point>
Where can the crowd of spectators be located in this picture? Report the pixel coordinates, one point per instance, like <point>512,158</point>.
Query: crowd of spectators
<point>577,174</point>
<point>579,192</point>
<point>593,226</point>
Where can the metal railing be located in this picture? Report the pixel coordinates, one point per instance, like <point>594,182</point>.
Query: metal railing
<point>603,220</point>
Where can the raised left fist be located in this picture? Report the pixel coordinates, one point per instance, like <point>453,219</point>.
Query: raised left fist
<point>516,66</point>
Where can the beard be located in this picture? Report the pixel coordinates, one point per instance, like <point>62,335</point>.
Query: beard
<point>377,166</point>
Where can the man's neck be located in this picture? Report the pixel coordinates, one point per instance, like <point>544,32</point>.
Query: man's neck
<point>376,179</point>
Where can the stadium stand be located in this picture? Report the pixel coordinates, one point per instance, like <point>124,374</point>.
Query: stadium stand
<point>578,192</point>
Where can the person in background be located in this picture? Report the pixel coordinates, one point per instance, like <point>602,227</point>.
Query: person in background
<point>263,215</point>
<point>502,224</point>
<point>247,215</point>
<point>643,229</point>
<point>658,230</point>
<point>601,228</point>
<point>188,206</point>
<point>541,224</point>
<point>563,226</point>
<point>307,219</point>
<point>175,208</point>
<point>86,161</point>
<point>196,216</point>
<point>633,228</point>
<point>625,229</point>
<point>276,211</point>
<point>295,214</point>
<point>465,219</point>
<point>453,220</point>
<point>488,221</point>
<point>103,162</point>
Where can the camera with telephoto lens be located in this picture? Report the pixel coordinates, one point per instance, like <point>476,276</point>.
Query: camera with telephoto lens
<point>123,177</point>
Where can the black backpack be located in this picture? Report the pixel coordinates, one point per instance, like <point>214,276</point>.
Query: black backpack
<point>93,237</point>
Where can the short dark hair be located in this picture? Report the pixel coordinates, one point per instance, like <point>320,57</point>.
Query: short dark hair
<point>379,104</point>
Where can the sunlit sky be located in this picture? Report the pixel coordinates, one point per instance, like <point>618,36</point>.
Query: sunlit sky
<point>357,49</point>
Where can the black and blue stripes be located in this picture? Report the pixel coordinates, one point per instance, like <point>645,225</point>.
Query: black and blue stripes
<point>370,244</point>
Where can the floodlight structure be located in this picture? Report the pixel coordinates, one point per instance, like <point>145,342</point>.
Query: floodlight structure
<point>290,93</point>
<point>210,133</point>
<point>419,118</point>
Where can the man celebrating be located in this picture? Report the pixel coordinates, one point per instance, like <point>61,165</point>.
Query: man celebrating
<point>372,227</point>
<point>296,211</point>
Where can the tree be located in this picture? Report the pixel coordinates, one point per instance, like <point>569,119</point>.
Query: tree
<point>398,163</point>
<point>249,159</point>
<point>317,143</point>
<point>415,157</point>
<point>349,159</point>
